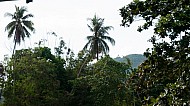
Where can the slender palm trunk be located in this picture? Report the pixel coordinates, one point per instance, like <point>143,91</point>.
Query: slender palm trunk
<point>97,54</point>
<point>97,47</point>
<point>88,58</point>
<point>13,56</point>
<point>14,48</point>
<point>78,74</point>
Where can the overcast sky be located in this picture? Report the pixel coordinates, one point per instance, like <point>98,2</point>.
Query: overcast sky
<point>68,19</point>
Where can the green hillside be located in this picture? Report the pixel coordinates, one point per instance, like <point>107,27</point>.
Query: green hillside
<point>136,59</point>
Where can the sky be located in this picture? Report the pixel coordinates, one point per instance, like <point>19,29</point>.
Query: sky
<point>68,19</point>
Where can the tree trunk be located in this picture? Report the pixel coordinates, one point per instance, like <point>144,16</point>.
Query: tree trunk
<point>88,58</point>
<point>97,56</point>
<point>14,48</point>
<point>97,52</point>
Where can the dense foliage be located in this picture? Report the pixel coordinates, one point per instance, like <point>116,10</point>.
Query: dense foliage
<point>36,77</point>
<point>164,78</point>
<point>103,85</point>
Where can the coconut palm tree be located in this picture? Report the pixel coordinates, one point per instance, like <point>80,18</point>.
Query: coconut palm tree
<point>20,26</point>
<point>97,42</point>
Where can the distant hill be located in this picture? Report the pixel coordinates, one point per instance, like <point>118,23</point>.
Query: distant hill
<point>136,59</point>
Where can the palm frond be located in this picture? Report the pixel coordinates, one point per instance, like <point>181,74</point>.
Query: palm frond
<point>8,15</point>
<point>23,9</point>
<point>23,34</point>
<point>108,27</point>
<point>26,32</point>
<point>104,46</point>
<point>10,31</point>
<point>10,25</point>
<point>89,38</point>
<point>27,16</point>
<point>104,30</point>
<point>111,40</point>
<point>20,11</point>
<point>91,29</point>
<point>106,49</point>
<point>29,25</point>
<point>86,46</point>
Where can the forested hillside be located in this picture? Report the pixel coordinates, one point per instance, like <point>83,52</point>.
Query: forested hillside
<point>135,59</point>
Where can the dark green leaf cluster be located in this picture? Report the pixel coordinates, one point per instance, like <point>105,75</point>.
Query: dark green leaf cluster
<point>163,79</point>
<point>36,78</point>
<point>103,86</point>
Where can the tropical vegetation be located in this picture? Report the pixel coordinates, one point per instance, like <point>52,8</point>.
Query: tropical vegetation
<point>97,42</point>
<point>40,77</point>
<point>163,79</point>
<point>20,26</point>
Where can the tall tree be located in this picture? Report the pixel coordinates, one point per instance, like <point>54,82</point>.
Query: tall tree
<point>18,28</point>
<point>96,42</point>
<point>163,79</point>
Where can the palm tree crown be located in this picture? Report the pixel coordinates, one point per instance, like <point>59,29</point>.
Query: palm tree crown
<point>19,26</point>
<point>97,42</point>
